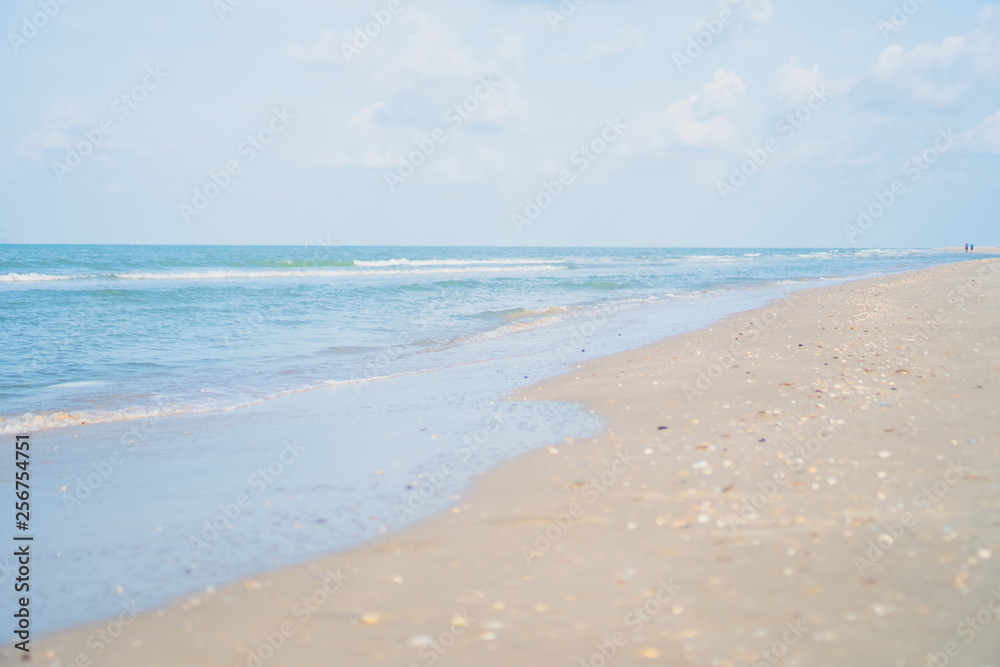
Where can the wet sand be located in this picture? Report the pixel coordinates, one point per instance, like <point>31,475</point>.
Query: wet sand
<point>812,483</point>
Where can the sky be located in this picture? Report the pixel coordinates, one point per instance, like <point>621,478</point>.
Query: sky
<point>741,123</point>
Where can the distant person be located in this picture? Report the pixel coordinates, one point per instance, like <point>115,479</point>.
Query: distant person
<point>966,247</point>
<point>972,246</point>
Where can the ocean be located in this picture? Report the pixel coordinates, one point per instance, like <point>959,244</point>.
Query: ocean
<point>199,414</point>
<point>110,333</point>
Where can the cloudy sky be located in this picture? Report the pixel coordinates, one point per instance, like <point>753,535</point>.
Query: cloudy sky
<point>501,122</point>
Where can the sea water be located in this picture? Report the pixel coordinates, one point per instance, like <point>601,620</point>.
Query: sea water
<point>203,413</point>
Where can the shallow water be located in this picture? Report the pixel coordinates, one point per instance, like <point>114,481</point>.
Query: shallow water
<point>103,333</point>
<point>388,388</point>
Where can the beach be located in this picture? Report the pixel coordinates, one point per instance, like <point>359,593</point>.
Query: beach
<point>809,483</point>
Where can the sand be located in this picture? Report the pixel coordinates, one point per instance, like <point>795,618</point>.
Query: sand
<point>812,483</point>
<point>985,250</point>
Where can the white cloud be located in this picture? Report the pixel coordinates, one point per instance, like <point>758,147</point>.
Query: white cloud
<point>868,159</point>
<point>701,120</point>
<point>431,50</point>
<point>420,54</point>
<point>628,40</point>
<point>364,143</point>
<point>373,138</point>
<point>459,170</point>
<point>757,11</point>
<point>795,83</point>
<point>986,137</point>
<point>938,73</point>
<point>505,104</point>
<point>760,11</point>
<point>415,48</point>
<point>721,94</point>
<point>326,50</point>
<point>63,123</point>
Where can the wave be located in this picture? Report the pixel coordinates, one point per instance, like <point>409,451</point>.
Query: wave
<point>892,252</point>
<point>711,258</point>
<point>504,330</point>
<point>295,263</point>
<point>277,273</point>
<point>30,421</point>
<point>36,277</point>
<point>448,262</point>
<point>514,314</point>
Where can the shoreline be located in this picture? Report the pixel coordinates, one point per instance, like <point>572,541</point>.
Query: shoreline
<point>386,597</point>
<point>388,464</point>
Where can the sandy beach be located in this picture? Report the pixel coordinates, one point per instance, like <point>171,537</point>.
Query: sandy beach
<point>811,483</point>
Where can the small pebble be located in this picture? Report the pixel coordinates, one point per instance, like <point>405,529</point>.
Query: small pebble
<point>420,640</point>
<point>882,610</point>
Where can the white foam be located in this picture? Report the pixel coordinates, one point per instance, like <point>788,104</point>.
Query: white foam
<point>279,273</point>
<point>447,262</point>
<point>35,277</point>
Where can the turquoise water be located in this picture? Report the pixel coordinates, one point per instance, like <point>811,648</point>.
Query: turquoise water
<point>409,353</point>
<point>106,333</point>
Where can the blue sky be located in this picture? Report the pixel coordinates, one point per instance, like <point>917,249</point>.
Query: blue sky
<point>599,122</point>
